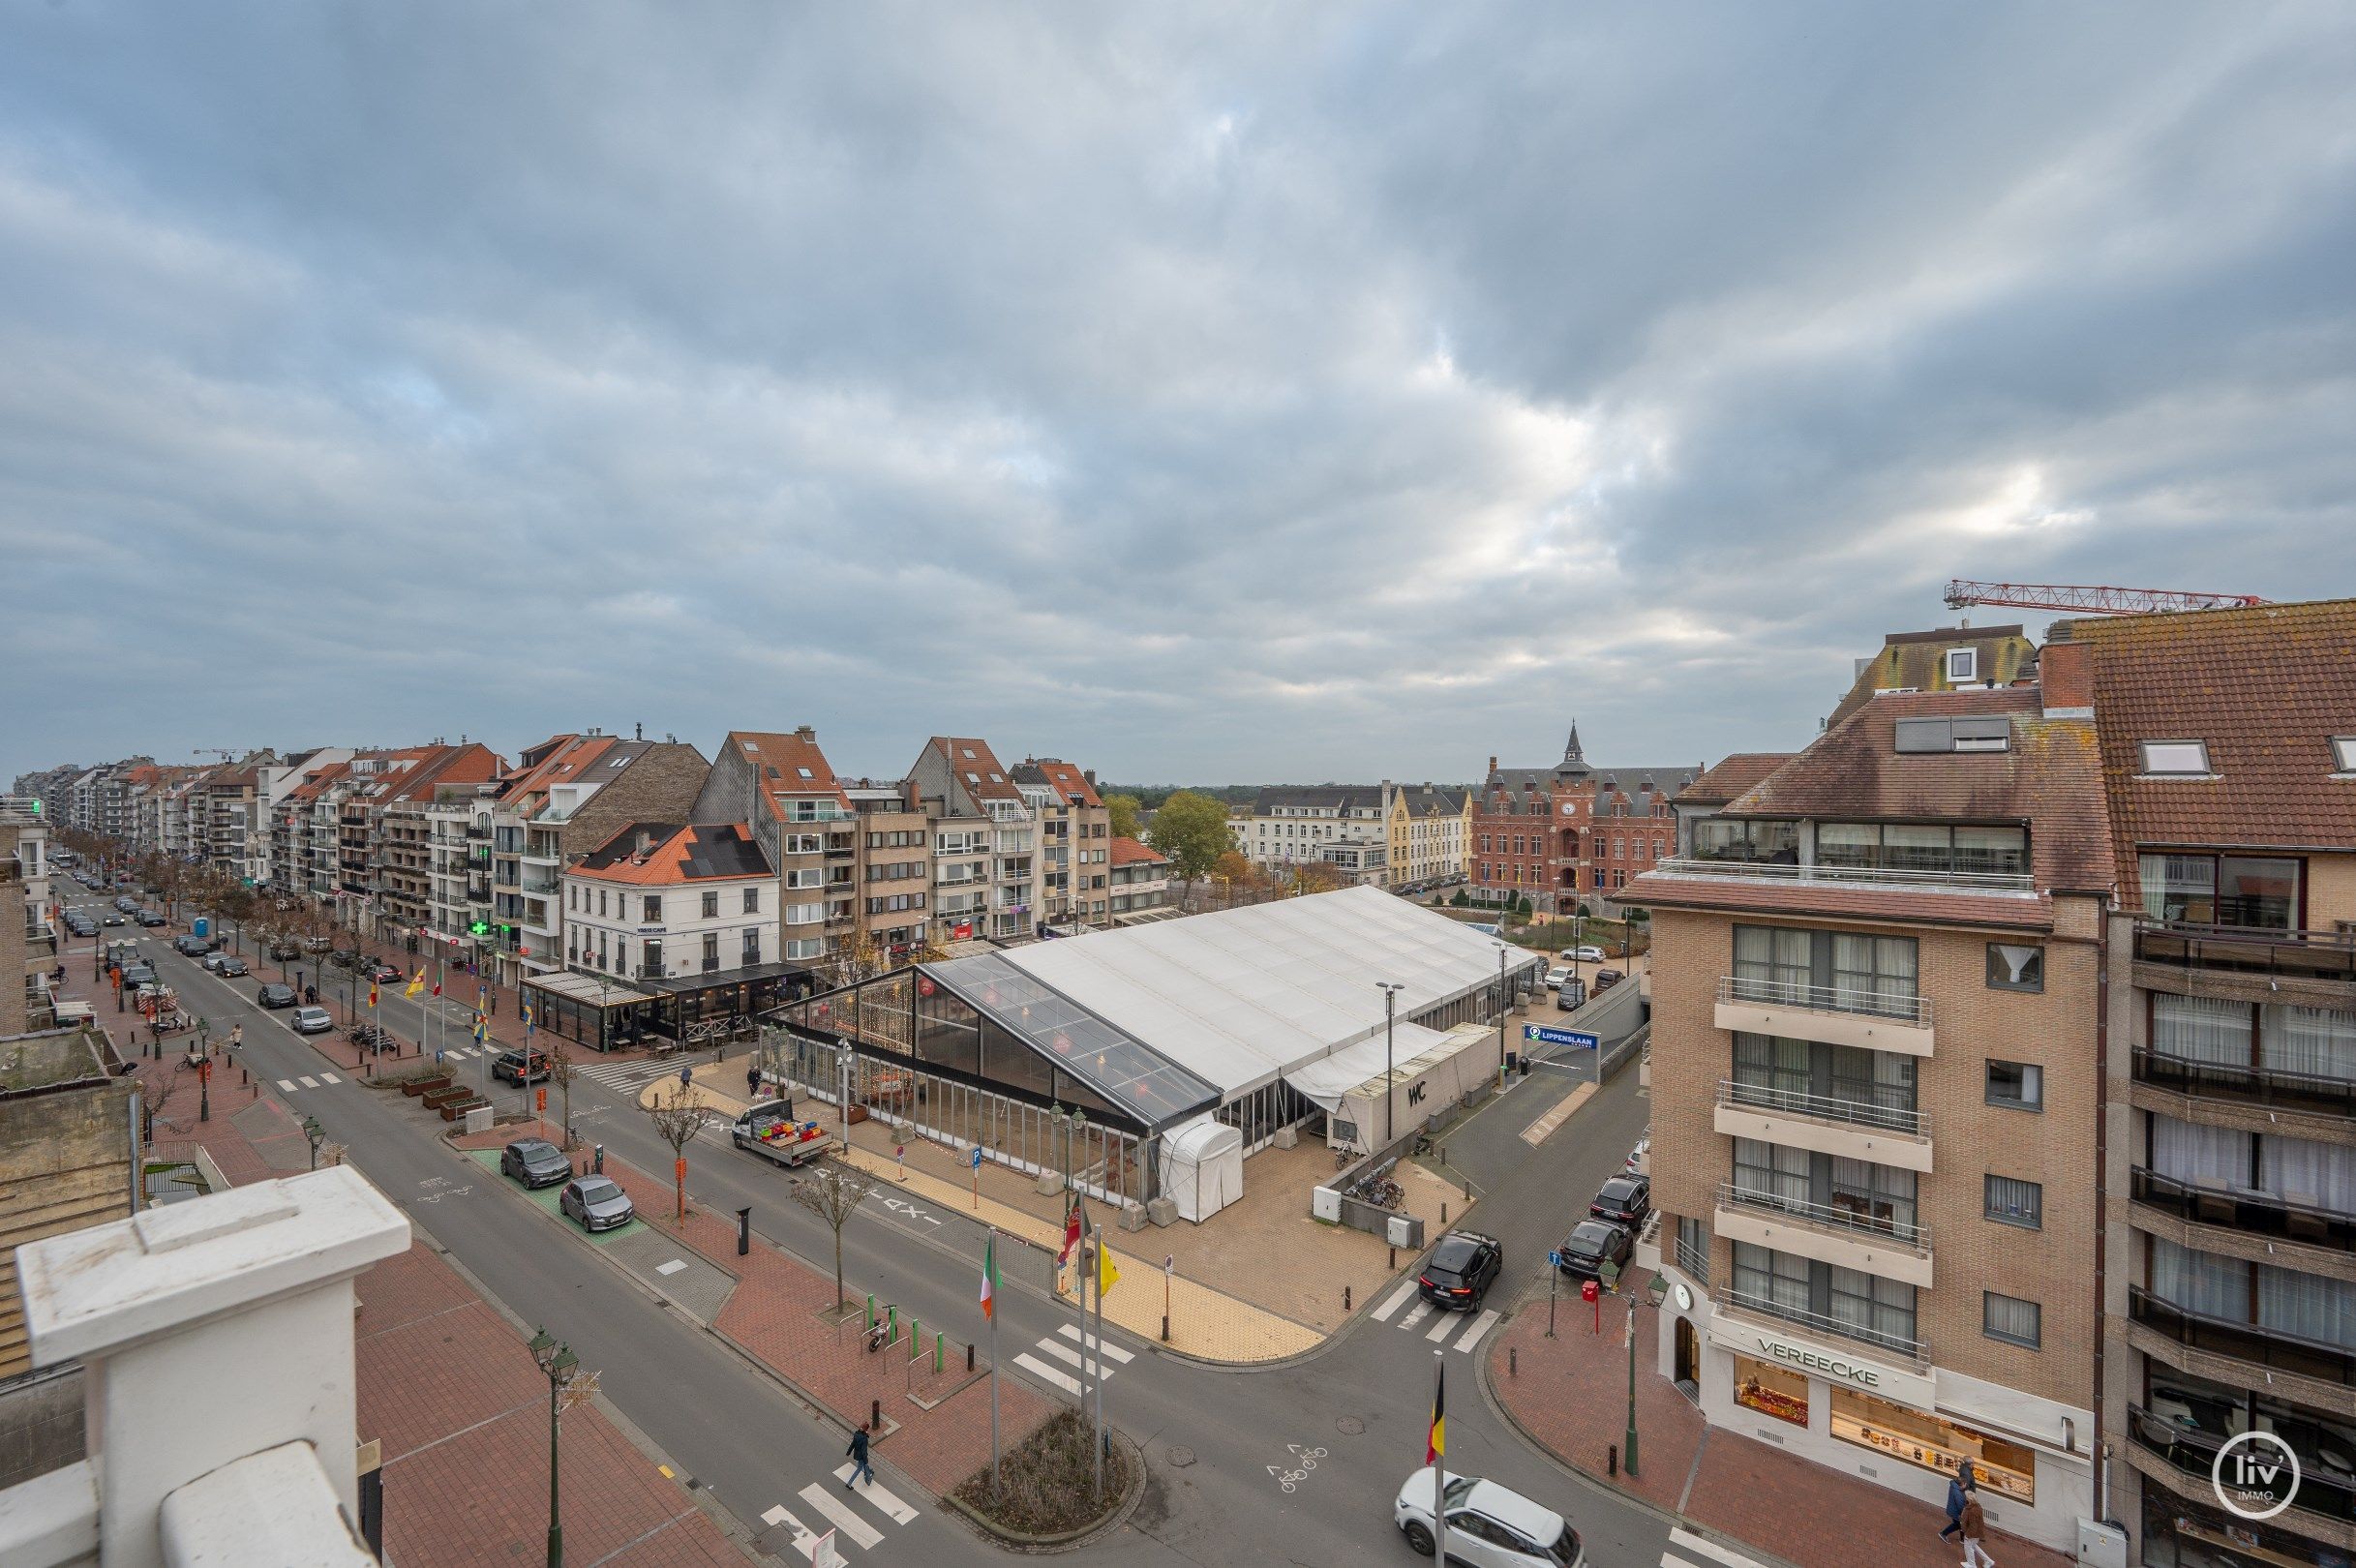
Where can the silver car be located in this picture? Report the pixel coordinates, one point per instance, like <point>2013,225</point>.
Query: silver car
<point>597,1202</point>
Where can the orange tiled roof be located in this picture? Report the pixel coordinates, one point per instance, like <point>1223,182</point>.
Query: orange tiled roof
<point>675,855</point>
<point>1129,852</point>
<point>2266,687</point>
<point>1068,781</point>
<point>789,768</point>
<point>984,777</point>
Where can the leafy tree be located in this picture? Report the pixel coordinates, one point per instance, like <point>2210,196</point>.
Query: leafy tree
<point>1191,831</point>
<point>1317,876</point>
<point>1237,871</point>
<point>1128,815</point>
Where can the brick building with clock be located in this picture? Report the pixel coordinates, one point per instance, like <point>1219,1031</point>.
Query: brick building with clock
<point>1573,831</point>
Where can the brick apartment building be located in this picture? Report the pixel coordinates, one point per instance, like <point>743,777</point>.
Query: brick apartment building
<point>1571,833</point>
<point>1875,1038</point>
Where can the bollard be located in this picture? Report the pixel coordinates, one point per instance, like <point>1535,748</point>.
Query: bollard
<point>875,1417</point>
<point>1394,1260</point>
<point>1345,1298</point>
<point>597,1159</point>
<point>1443,1154</point>
<point>968,1358</point>
<point>1513,1361</point>
<point>893,1313</point>
<point>243,1077</point>
<point>871,1309</point>
<point>1165,1328</point>
<point>1610,1459</point>
<point>1443,1213</point>
<point>916,1338</point>
<point>744,1230</point>
<point>936,1352</point>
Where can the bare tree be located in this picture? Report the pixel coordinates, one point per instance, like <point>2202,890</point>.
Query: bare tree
<point>833,1194</point>
<point>565,1070</point>
<point>678,1117</point>
<point>155,1093</point>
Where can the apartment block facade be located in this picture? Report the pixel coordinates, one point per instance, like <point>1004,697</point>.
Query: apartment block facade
<point>782,788</point>
<point>1075,851</point>
<point>984,840</point>
<point>1431,833</point>
<point>1295,824</point>
<point>1875,1072</point>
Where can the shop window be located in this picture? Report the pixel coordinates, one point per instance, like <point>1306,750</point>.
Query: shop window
<point>2015,967</point>
<point>1771,1390</point>
<point>1933,1442</point>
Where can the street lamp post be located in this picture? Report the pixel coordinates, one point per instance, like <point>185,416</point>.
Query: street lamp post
<point>316,1134</point>
<point>1390,1089</point>
<point>1628,1446</point>
<point>559,1364</point>
<point>205,1073</point>
<point>1501,1015</point>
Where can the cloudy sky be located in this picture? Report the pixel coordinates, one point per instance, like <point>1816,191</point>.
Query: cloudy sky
<point>1197,392</point>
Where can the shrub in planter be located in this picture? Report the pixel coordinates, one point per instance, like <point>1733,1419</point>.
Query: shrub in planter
<point>413,1087</point>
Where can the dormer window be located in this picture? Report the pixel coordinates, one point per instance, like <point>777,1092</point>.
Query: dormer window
<point>1926,736</point>
<point>2343,753</point>
<point>1962,665</point>
<point>2176,759</point>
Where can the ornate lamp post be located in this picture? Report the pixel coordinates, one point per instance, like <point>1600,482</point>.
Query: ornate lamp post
<point>205,1073</point>
<point>316,1134</point>
<point>558,1364</point>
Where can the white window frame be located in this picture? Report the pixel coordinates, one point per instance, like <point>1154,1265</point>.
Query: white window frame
<point>1962,664</point>
<point>2343,753</point>
<point>2149,753</point>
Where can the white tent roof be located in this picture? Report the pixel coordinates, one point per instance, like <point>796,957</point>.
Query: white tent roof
<point>1239,997</point>
<point>1413,1049</point>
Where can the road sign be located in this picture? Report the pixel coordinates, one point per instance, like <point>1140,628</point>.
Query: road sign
<point>977,1159</point>
<point>1553,1260</point>
<point>1546,1036</point>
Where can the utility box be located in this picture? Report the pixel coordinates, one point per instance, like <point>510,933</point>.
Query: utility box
<point>1325,1203</point>
<point>1405,1230</point>
<point>478,1120</point>
<point>2100,1545</point>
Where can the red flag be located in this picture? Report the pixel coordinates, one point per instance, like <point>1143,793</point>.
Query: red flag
<point>1072,1232</point>
<point>438,987</point>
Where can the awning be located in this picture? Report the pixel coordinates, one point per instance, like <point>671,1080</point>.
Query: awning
<point>1411,1052</point>
<point>589,990</point>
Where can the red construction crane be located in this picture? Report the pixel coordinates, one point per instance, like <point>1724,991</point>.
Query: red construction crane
<point>2096,601</point>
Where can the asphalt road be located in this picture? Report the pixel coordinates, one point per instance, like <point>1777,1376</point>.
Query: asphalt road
<point>1222,1444</point>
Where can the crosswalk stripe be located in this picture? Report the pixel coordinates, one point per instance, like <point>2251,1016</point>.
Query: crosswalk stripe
<point>1398,1299</point>
<point>1076,1357</point>
<point>1110,1349</point>
<point>1710,1549</point>
<point>845,1521</point>
<point>802,1533</point>
<point>1423,1310</point>
<point>1480,1326</point>
<point>285,1086</point>
<point>1040,1370</point>
<point>307,1082</point>
<point>876,1493</point>
<point>329,1078</point>
<point>1670,1559</point>
<point>1444,1328</point>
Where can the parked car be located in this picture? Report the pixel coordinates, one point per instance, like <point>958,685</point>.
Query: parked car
<point>535,1163</point>
<point>1583,955</point>
<point>282,952</point>
<point>1487,1524</point>
<point>275,995</point>
<point>1460,1270</point>
<point>385,974</point>
<point>191,947</point>
<point>125,902</point>
<point>148,917</point>
<point>137,975</point>
<point>344,957</point>
<point>510,1068</point>
<point>1593,1243</point>
<point>228,966</point>
<point>1606,979</point>
<point>310,1021</point>
<point>1640,1158</point>
<point>1558,976</point>
<point>1625,1200</point>
<point>596,1202</point>
<point>1574,994</point>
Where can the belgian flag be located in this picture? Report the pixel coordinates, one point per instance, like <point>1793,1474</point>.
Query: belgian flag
<point>1436,1446</point>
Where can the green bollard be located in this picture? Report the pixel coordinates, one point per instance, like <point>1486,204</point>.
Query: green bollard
<point>871,1309</point>
<point>916,1339</point>
<point>895,1322</point>
<point>936,1352</point>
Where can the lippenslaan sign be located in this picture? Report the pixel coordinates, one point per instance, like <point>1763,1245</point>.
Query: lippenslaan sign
<point>1833,1366</point>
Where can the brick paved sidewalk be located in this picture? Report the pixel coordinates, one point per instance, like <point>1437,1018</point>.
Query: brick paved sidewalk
<point>780,1315</point>
<point>1570,1394</point>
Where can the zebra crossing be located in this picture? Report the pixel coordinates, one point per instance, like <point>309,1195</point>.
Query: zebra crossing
<point>1441,1324</point>
<point>627,1077</point>
<point>1064,1347</point>
<point>1710,1551</point>
<point>831,1506</point>
<point>295,1085</point>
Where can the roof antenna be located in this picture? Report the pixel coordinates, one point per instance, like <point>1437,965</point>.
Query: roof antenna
<point>641,728</point>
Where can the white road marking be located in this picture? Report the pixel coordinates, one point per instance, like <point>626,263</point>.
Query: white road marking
<point>285,1086</point>
<point>803,1535</point>
<point>1398,1298</point>
<point>1046,1373</point>
<point>845,1521</point>
<point>1710,1549</point>
<point>1670,1559</point>
<point>1069,1332</point>
<point>670,1268</point>
<point>1423,1310</point>
<point>1480,1326</point>
<point>874,1492</point>
<point>329,1078</point>
<point>1444,1328</point>
<point>307,1082</point>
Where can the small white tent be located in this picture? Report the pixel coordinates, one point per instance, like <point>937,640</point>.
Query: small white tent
<point>1202,1167</point>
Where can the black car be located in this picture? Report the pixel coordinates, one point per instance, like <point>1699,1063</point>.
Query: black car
<point>535,1163</point>
<point>282,952</point>
<point>510,1068</point>
<point>114,920</point>
<point>1595,1243</point>
<point>1460,1269</point>
<point>1625,1200</point>
<point>148,917</point>
<point>275,995</point>
<point>191,947</point>
<point>135,976</point>
<point>385,974</point>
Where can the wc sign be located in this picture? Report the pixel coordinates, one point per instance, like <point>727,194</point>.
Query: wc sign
<point>2255,1467</point>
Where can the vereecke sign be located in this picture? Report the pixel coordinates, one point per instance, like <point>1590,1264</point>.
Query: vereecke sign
<point>1902,1385</point>
<point>1821,1363</point>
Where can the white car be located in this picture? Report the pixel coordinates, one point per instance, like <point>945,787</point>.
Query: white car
<point>1590,954</point>
<point>1558,976</point>
<point>1488,1525</point>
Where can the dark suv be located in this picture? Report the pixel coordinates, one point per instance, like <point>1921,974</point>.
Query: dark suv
<point>275,995</point>
<point>535,1163</point>
<point>510,1068</point>
<point>1593,1243</point>
<point>1460,1270</point>
<point>1625,1200</point>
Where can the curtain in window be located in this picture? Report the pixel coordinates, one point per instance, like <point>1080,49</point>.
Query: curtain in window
<point>1771,1169</point>
<point>2178,886</point>
<point>1874,974</point>
<point>2188,1152</point>
<point>2316,1175</point>
<point>1769,1276</point>
<point>1883,1195</point>
<point>2307,1305</point>
<point>1883,1307</point>
<point>2012,1319</point>
<point>1848,844</point>
<point>1767,1062</point>
<point>2310,1041</point>
<point>1916,849</point>
<point>1992,851</point>
<point>2202,1028</point>
<point>2197,1282</point>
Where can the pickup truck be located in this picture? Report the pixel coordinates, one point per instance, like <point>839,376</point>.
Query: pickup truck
<point>770,1131</point>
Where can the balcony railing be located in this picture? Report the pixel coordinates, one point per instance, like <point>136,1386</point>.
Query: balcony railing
<point>1918,1351</point>
<point>2327,956</point>
<point>2275,1088</point>
<point>2192,1451</point>
<point>2241,1341</point>
<point>478,893</point>
<point>1824,1108</point>
<point>1693,1260</point>
<point>1876,1220</point>
<point>480,833</point>
<point>1907,1007</point>
<point>2260,1214</point>
<point>1855,876</point>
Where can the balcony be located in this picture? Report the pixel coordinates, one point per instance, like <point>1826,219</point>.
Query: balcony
<point>2010,883</point>
<point>2253,1352</point>
<point>1915,1352</point>
<point>841,846</point>
<point>1881,1021</point>
<point>1850,1129</point>
<point>541,885</point>
<point>478,893</point>
<point>2307,955</point>
<point>2266,1088</point>
<point>478,833</point>
<point>1849,1236</point>
<point>2328,1498</point>
<point>2244,1212</point>
<point>803,811</point>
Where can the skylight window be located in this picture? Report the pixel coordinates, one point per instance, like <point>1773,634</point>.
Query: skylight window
<point>1963,664</point>
<point>2343,752</point>
<point>2176,758</point>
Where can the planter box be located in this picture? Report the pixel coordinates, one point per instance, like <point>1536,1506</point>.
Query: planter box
<point>426,1086</point>
<point>859,1114</point>
<point>436,1099</point>
<point>457,1108</point>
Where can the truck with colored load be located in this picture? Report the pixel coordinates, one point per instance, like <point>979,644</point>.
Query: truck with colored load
<point>770,1131</point>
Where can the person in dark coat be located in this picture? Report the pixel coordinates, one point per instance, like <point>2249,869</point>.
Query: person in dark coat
<point>1957,1485</point>
<point>752,1080</point>
<point>1975,1533</point>
<point>859,1457</point>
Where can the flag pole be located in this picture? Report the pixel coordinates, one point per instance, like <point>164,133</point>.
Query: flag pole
<point>1104,1258</point>
<point>1440,1459</point>
<point>1095,1260</point>
<point>989,1267</point>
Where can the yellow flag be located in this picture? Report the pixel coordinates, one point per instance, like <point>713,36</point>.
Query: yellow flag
<point>416,985</point>
<point>1106,1276</point>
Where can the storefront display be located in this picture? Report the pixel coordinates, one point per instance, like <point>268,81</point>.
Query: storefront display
<point>1933,1442</point>
<point>1771,1390</point>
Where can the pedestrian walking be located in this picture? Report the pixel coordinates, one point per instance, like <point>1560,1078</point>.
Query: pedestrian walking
<point>859,1457</point>
<point>1956,1486</point>
<point>899,1158</point>
<point>1975,1533</point>
<point>686,1075</point>
<point>752,1080</point>
<point>238,1037</point>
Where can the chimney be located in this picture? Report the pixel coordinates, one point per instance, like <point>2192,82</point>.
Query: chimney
<point>1089,774</point>
<point>2065,673</point>
<point>806,733</point>
<point>1493,764</point>
<point>645,841</point>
